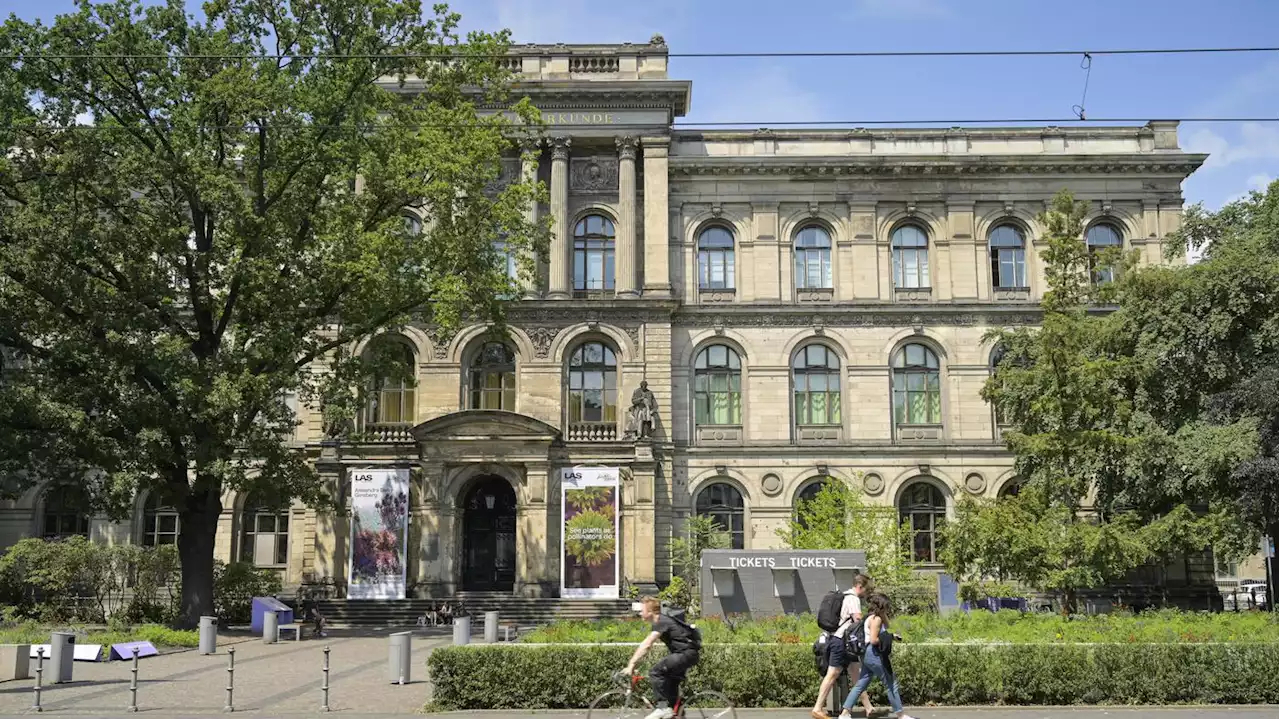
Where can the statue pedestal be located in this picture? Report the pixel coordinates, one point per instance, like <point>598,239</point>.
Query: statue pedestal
<point>644,451</point>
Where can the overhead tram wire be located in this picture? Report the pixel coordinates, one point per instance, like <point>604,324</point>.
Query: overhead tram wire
<point>688,55</point>
<point>727,125</point>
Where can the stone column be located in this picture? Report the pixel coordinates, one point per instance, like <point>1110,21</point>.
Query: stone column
<point>625,282</point>
<point>559,289</point>
<point>333,527</point>
<point>529,149</point>
<point>640,523</point>
<point>657,275</point>
<point>533,578</point>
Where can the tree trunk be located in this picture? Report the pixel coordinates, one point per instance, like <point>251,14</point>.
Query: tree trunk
<point>199,519</point>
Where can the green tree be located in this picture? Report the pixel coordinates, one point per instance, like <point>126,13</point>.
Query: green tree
<point>700,533</point>
<point>227,226</point>
<point>838,518</point>
<point>1078,434</point>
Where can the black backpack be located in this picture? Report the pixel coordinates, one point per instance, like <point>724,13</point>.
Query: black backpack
<point>820,655</point>
<point>829,611</point>
<point>694,637</point>
<point>855,644</point>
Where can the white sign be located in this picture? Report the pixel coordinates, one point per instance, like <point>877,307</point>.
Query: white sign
<point>81,652</point>
<point>379,533</point>
<point>589,538</point>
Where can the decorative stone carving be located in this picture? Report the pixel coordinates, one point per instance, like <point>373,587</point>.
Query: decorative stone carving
<point>643,414</point>
<point>872,484</point>
<point>883,317</point>
<point>542,337</point>
<point>633,331</point>
<point>594,174</point>
<point>626,147</point>
<point>854,168</point>
<point>440,339</point>
<point>715,296</point>
<point>560,148</point>
<point>771,484</point>
<point>975,483</point>
<point>912,294</point>
<point>508,174</point>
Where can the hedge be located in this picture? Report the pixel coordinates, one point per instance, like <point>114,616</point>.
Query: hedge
<point>520,676</point>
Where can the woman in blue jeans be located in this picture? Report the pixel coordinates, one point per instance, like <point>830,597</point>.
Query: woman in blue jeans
<point>875,662</point>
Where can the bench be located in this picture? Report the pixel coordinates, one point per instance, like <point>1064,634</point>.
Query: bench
<point>295,628</point>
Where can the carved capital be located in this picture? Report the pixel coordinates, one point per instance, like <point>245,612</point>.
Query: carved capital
<point>626,147</point>
<point>560,148</point>
<point>542,337</point>
<point>530,144</point>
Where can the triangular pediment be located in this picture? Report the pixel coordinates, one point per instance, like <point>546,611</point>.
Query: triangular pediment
<point>485,424</point>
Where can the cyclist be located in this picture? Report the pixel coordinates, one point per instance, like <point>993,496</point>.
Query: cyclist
<point>683,644</point>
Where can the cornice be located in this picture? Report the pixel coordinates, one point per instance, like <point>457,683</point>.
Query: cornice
<point>936,165</point>
<point>866,315</point>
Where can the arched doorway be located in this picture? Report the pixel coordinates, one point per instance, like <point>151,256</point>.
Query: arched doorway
<point>489,536</point>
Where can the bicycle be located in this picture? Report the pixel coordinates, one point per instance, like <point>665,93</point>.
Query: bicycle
<point>628,702</point>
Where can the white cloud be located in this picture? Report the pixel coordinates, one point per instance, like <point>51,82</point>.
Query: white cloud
<point>1257,141</point>
<point>914,9</point>
<point>1260,181</point>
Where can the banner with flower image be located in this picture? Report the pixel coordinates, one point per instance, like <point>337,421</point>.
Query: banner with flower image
<point>589,535</point>
<point>379,533</point>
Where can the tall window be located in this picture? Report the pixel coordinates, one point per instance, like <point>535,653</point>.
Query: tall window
<point>813,258</point>
<point>593,239</point>
<point>507,260</point>
<point>493,378</point>
<point>66,511</point>
<point>997,356</point>
<point>917,387</point>
<point>924,509</point>
<point>412,224</point>
<point>1100,238</point>
<point>717,386</point>
<point>815,374</point>
<point>1008,257</point>
<point>392,397</point>
<point>593,384</point>
<point>264,535</point>
<point>723,503</point>
<point>160,525</point>
<point>910,258</point>
<point>715,259</point>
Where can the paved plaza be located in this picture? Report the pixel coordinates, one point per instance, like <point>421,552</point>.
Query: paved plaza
<point>270,679</point>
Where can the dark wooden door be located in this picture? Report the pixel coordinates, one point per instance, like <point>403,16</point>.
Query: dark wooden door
<point>489,537</point>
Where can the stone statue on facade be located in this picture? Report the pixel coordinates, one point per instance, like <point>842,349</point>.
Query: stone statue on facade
<point>643,413</point>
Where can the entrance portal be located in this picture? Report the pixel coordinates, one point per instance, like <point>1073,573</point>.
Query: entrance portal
<point>489,536</point>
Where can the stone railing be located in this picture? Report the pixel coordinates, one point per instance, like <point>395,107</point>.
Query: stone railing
<point>387,432</point>
<point>592,432</point>
<point>593,63</point>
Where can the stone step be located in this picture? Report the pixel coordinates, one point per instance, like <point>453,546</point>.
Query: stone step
<point>521,610</point>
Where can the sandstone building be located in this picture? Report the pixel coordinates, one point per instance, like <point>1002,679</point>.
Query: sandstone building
<point>802,304</point>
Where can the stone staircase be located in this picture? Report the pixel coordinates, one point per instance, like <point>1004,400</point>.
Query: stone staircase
<point>523,611</point>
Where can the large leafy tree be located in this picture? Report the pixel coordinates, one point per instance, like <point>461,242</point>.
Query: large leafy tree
<point>199,216</point>
<point>1079,431</point>
<point>1204,339</point>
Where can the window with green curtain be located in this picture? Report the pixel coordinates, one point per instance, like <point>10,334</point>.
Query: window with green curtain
<point>816,381</point>
<point>917,388</point>
<point>493,378</point>
<point>717,386</point>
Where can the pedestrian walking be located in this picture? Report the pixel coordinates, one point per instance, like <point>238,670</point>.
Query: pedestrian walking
<point>843,646</point>
<point>876,659</point>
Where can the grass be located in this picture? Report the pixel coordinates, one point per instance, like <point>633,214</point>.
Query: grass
<point>1160,627</point>
<point>161,636</point>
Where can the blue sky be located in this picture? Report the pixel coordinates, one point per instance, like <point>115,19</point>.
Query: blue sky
<point>1244,156</point>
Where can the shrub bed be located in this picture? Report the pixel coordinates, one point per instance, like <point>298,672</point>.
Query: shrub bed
<point>783,675</point>
<point>979,626</point>
<point>160,636</point>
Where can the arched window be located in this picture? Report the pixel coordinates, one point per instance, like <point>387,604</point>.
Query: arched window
<point>917,387</point>
<point>1011,488</point>
<point>412,224</point>
<point>1099,238</point>
<point>264,534</point>
<point>160,524</point>
<point>717,386</point>
<point>392,397</point>
<point>813,258</point>
<point>924,509</point>
<point>66,511</point>
<point>910,258</point>
<point>815,375</point>
<point>492,378</point>
<point>593,239</point>
<point>715,259</point>
<point>593,385</point>
<point>1008,257</point>
<point>723,503</point>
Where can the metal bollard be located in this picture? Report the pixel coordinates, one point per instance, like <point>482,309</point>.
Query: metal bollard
<point>231,680</point>
<point>133,683</point>
<point>39,676</point>
<point>324,684</point>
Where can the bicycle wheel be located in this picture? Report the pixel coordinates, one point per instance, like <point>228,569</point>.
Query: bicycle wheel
<point>708,705</point>
<point>619,704</point>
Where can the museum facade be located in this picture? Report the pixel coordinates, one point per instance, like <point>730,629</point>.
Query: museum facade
<point>801,304</point>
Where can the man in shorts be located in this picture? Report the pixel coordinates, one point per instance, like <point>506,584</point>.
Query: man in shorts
<point>840,654</point>
<point>683,645</point>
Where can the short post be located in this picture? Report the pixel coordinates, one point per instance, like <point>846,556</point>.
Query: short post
<point>231,680</point>
<point>490,627</point>
<point>324,683</point>
<point>133,683</point>
<point>39,676</point>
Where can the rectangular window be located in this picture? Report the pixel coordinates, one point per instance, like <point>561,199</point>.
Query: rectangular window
<point>1011,268</point>
<point>813,269</point>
